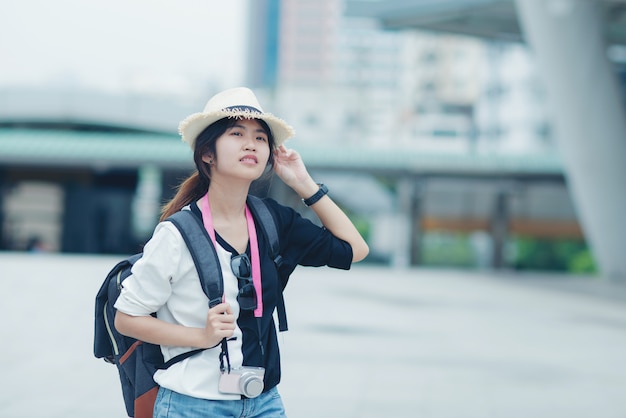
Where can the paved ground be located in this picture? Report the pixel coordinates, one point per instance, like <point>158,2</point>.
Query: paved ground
<point>426,344</point>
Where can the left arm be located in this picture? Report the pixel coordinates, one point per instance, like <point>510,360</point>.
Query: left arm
<point>290,168</point>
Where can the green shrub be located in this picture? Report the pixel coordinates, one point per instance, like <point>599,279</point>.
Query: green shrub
<point>565,255</point>
<point>446,250</point>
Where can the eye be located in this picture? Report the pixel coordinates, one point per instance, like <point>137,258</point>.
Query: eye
<point>261,138</point>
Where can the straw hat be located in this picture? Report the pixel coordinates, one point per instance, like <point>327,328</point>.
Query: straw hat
<point>239,102</point>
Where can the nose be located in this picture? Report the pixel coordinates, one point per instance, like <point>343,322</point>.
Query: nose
<point>250,143</point>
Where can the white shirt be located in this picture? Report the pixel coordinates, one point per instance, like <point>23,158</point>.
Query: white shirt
<point>165,281</point>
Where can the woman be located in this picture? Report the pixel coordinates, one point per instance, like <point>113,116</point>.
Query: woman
<point>233,142</point>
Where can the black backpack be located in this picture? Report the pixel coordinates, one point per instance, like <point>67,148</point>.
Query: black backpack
<point>137,361</point>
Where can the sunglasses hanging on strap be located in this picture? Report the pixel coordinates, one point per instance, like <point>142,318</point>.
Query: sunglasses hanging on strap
<point>267,225</point>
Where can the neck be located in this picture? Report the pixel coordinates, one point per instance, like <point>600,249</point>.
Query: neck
<point>227,201</point>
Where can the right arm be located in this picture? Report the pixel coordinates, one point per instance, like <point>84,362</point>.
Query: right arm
<point>220,324</point>
<point>149,288</point>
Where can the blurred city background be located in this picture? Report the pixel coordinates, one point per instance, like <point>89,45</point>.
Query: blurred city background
<point>451,136</point>
<point>479,146</point>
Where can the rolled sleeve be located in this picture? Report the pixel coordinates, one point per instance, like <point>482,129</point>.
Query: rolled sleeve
<point>340,255</point>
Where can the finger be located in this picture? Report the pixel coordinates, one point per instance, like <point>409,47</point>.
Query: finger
<point>228,325</point>
<point>285,152</point>
<point>221,308</point>
<point>221,322</point>
<point>220,313</point>
<point>226,333</point>
<point>226,318</point>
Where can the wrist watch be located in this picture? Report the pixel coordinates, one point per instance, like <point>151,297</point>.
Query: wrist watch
<point>317,196</point>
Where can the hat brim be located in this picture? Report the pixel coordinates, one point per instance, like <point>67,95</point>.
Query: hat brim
<point>194,124</point>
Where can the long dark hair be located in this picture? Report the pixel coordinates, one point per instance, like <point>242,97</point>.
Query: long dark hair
<point>197,184</point>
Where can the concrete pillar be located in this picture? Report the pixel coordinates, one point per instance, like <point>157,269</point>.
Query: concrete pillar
<point>499,228</point>
<point>146,205</point>
<point>566,37</point>
<point>415,243</point>
<point>409,236</point>
<point>3,190</point>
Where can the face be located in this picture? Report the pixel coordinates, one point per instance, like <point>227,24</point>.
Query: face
<point>242,151</point>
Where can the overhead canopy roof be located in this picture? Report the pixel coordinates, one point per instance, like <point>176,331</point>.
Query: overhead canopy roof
<point>41,147</point>
<point>104,150</point>
<point>482,18</point>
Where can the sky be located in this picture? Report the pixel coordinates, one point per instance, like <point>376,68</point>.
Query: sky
<point>169,47</point>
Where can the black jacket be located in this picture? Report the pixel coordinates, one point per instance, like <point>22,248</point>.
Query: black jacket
<point>301,243</point>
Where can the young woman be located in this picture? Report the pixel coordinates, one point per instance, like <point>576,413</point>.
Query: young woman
<point>233,142</point>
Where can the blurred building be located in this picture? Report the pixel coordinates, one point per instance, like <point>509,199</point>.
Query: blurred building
<point>328,73</point>
<point>572,43</point>
<point>263,46</point>
<point>420,137</point>
<point>347,83</point>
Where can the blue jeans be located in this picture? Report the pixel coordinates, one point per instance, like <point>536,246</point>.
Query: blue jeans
<point>170,404</point>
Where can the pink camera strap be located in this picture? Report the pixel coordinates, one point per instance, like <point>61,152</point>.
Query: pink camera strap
<point>207,220</point>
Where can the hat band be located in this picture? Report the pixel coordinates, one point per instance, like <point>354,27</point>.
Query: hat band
<point>242,108</point>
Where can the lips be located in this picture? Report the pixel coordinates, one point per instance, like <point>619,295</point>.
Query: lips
<point>250,159</point>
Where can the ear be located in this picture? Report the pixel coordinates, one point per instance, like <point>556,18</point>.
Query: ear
<point>208,158</point>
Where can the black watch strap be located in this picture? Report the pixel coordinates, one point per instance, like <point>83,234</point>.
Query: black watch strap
<point>317,196</point>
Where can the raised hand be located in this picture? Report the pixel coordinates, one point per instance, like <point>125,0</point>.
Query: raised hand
<point>289,166</point>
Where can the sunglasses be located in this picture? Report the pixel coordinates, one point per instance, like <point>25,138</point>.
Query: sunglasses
<point>242,269</point>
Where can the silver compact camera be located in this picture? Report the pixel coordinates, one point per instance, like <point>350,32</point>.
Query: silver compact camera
<point>247,381</point>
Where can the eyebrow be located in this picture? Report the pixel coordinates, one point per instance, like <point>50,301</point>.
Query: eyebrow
<point>259,130</point>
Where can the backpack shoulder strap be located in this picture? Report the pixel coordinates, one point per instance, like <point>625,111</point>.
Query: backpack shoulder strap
<point>206,262</point>
<point>268,226</point>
